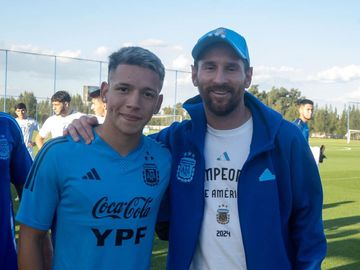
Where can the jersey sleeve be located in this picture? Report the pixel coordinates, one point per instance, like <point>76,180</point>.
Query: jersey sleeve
<point>42,190</point>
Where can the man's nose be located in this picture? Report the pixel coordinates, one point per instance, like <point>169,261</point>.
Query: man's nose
<point>220,77</point>
<point>134,99</point>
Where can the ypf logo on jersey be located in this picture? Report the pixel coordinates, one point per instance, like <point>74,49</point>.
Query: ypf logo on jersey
<point>223,216</point>
<point>150,171</point>
<point>186,167</point>
<point>4,148</point>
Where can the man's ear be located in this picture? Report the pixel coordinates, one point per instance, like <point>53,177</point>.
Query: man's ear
<point>103,91</point>
<point>158,104</point>
<point>248,77</point>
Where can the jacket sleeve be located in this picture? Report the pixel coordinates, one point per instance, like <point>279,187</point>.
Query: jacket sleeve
<point>20,158</point>
<point>162,225</point>
<point>306,225</point>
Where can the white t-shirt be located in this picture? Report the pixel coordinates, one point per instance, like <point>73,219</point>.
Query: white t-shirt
<point>56,124</point>
<point>220,244</point>
<point>100,119</point>
<point>28,126</point>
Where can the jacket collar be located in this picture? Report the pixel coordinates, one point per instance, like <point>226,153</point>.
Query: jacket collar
<point>266,122</point>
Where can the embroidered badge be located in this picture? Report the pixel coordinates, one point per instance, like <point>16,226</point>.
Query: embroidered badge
<point>186,167</point>
<point>150,171</point>
<point>223,216</point>
<point>4,148</point>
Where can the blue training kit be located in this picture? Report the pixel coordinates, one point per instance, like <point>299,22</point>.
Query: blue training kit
<point>15,163</point>
<point>279,192</point>
<point>100,206</point>
<point>304,128</point>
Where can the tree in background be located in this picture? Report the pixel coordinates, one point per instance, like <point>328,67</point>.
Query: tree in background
<point>10,105</point>
<point>354,117</point>
<point>78,105</point>
<point>179,110</point>
<point>341,124</point>
<point>280,99</point>
<point>44,110</point>
<point>327,121</point>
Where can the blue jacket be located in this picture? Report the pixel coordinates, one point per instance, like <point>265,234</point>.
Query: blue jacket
<point>15,163</point>
<point>281,218</point>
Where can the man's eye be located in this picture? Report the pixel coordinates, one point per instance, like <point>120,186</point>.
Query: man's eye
<point>232,68</point>
<point>122,89</point>
<point>209,68</point>
<point>150,94</point>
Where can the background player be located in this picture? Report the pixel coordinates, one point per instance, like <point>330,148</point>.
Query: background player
<point>306,110</point>
<point>97,104</point>
<point>55,124</point>
<point>27,125</point>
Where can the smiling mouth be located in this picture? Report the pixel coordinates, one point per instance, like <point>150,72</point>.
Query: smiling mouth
<point>219,93</point>
<point>131,117</point>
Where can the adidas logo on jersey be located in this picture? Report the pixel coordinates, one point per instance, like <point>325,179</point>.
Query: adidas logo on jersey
<point>224,157</point>
<point>92,175</point>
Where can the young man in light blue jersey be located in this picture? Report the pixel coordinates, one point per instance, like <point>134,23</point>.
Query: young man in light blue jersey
<point>101,200</point>
<point>15,163</point>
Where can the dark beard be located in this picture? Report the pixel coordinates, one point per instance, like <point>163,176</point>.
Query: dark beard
<point>220,110</point>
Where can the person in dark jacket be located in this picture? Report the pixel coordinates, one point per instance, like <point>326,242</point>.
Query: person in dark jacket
<point>15,163</point>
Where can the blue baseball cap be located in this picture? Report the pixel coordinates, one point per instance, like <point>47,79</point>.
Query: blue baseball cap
<point>235,40</point>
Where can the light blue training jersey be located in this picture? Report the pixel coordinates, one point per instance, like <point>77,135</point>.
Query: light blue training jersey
<point>101,207</point>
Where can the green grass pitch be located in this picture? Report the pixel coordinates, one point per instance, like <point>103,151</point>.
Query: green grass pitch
<point>340,174</point>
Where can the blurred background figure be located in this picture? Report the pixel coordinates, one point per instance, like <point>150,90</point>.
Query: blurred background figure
<point>97,104</point>
<point>306,110</point>
<point>55,124</point>
<point>27,125</point>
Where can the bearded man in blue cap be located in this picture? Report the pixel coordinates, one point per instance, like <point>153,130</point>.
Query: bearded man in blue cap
<point>245,192</point>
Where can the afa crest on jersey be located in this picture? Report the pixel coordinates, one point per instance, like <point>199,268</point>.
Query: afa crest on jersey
<point>4,148</point>
<point>186,167</point>
<point>223,216</point>
<point>150,171</point>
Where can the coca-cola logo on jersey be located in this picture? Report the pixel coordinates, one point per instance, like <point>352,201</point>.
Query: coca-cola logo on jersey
<point>138,207</point>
